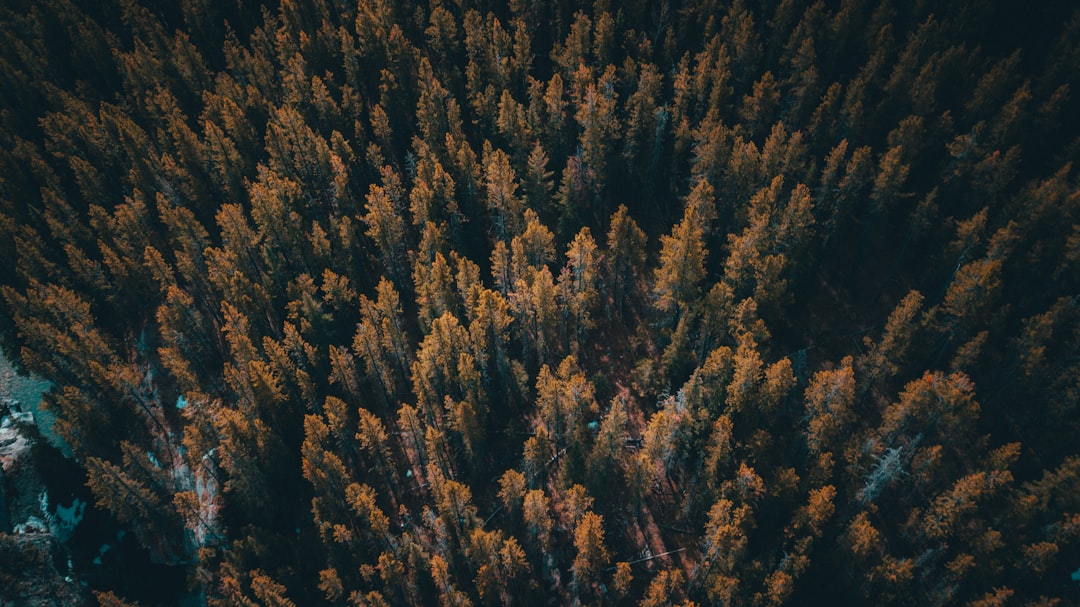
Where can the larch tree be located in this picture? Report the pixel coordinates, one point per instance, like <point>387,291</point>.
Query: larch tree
<point>579,285</point>
<point>356,245</point>
<point>592,554</point>
<point>625,253</point>
<point>682,254</point>
<point>504,206</point>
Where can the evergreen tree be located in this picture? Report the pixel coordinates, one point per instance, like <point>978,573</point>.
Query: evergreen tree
<point>355,244</point>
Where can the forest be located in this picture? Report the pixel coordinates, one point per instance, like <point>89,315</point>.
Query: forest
<point>553,302</point>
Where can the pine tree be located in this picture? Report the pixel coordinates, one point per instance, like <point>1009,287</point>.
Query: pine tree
<point>682,254</point>
<point>387,228</point>
<point>579,284</point>
<point>829,401</point>
<point>604,463</point>
<point>536,512</point>
<point>595,115</point>
<point>724,540</point>
<point>504,207</point>
<point>885,357</point>
<point>592,554</point>
<point>625,253</point>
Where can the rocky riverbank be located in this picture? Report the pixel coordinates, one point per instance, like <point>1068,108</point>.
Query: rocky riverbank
<point>35,562</point>
<point>56,548</point>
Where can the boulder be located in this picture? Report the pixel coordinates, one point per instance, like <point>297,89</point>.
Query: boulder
<point>31,573</point>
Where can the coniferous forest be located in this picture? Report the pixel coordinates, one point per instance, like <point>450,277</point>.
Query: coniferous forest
<point>460,302</point>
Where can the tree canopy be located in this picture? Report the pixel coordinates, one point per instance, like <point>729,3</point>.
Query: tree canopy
<point>471,303</point>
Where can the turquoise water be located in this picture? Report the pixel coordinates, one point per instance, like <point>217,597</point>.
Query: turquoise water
<point>28,390</point>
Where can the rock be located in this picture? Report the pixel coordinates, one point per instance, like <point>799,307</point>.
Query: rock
<point>34,563</point>
<point>23,486</point>
<point>33,573</point>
